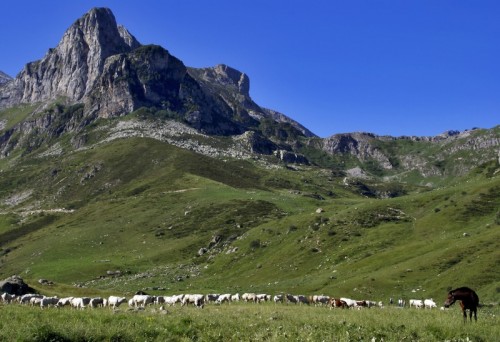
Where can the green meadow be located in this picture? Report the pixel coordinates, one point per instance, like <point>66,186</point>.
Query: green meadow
<point>245,322</point>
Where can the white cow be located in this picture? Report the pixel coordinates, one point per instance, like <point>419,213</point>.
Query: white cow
<point>48,301</point>
<point>197,300</point>
<point>142,300</point>
<point>249,297</point>
<point>418,303</point>
<point>159,299</point>
<point>211,297</point>
<point>278,298</point>
<point>351,303</point>
<point>320,299</point>
<point>224,298</point>
<point>429,303</point>
<point>7,297</point>
<point>97,302</point>
<point>64,301</point>
<point>36,300</point>
<point>235,298</point>
<point>262,297</point>
<point>78,303</point>
<point>114,301</point>
<point>171,300</point>
<point>26,299</point>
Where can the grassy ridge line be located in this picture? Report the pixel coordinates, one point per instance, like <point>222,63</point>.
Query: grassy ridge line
<point>245,322</point>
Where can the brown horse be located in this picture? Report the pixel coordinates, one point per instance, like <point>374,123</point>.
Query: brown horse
<point>469,300</point>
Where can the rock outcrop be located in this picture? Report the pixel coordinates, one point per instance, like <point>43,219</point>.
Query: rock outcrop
<point>102,65</point>
<point>71,69</point>
<point>15,285</point>
<point>4,78</point>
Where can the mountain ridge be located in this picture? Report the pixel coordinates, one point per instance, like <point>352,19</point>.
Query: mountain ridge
<point>99,70</point>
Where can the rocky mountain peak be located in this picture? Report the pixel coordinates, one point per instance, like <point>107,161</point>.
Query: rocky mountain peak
<point>226,76</point>
<point>101,66</point>
<point>71,69</point>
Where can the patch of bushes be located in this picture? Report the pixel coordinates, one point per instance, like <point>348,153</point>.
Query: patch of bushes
<point>254,244</point>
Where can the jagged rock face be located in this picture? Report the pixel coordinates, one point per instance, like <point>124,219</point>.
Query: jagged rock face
<point>227,76</point>
<point>147,76</point>
<point>71,69</point>
<point>280,117</point>
<point>4,78</point>
<point>359,145</point>
<point>100,64</point>
<point>227,87</point>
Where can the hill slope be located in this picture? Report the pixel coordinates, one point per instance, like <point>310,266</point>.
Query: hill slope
<point>123,169</point>
<point>141,214</point>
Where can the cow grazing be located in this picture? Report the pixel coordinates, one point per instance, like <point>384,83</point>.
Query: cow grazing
<point>114,301</point>
<point>26,299</point>
<point>351,303</point>
<point>320,300</point>
<point>278,298</point>
<point>48,301</point>
<point>262,297</point>
<point>211,297</point>
<point>142,300</point>
<point>337,303</point>
<point>429,304</point>
<point>417,303</point>
<point>291,299</point>
<point>224,298</point>
<point>197,300</point>
<point>80,302</point>
<point>97,302</point>
<point>64,301</point>
<point>249,297</point>
<point>7,297</point>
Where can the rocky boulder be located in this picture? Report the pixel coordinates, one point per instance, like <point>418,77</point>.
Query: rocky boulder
<point>15,285</point>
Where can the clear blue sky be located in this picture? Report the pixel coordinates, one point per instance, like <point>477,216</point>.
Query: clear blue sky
<point>400,67</point>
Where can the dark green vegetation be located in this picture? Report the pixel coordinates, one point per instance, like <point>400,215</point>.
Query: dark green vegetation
<point>245,322</point>
<point>145,208</point>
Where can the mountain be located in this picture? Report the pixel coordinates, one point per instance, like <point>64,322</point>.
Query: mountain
<point>99,70</point>
<point>123,168</point>
<point>100,64</point>
<point>4,78</point>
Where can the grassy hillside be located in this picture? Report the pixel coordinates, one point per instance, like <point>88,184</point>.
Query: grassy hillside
<point>134,213</point>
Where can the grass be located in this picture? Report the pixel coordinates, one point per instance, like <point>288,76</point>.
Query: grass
<point>246,322</point>
<point>146,208</point>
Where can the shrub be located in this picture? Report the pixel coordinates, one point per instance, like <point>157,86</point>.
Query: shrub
<point>46,333</point>
<point>255,244</point>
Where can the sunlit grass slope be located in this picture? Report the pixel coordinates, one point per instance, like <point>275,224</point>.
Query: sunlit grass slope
<point>137,213</point>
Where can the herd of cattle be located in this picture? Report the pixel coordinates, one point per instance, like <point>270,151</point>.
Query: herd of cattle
<point>142,300</point>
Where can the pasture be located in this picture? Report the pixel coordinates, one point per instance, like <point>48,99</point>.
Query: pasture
<point>245,322</point>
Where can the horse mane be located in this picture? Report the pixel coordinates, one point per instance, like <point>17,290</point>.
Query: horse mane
<point>463,288</point>
<point>467,289</point>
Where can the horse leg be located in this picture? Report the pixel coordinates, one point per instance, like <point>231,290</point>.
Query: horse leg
<point>475,315</point>
<point>464,312</point>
